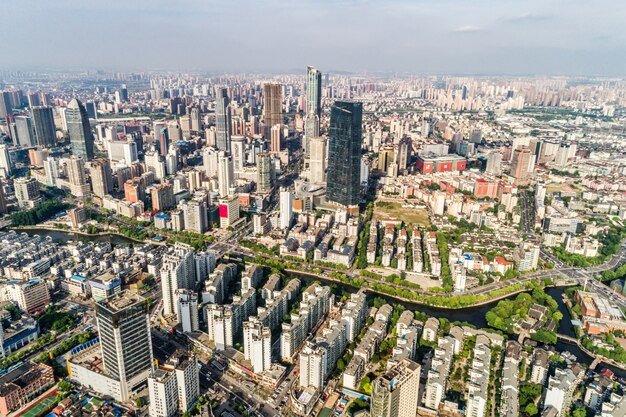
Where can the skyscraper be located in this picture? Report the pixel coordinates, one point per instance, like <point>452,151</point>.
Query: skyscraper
<point>344,156</point>
<point>395,393</point>
<point>5,104</point>
<point>81,138</point>
<point>225,173</point>
<point>222,120</point>
<point>45,131</point>
<point>313,106</point>
<point>317,162</point>
<point>520,163</point>
<point>124,329</point>
<point>272,106</point>
<point>77,176</point>
<point>177,272</point>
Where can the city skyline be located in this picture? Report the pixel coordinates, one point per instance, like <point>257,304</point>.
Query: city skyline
<point>567,37</point>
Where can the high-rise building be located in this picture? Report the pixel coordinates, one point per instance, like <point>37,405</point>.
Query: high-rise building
<point>494,163</point>
<point>257,345</point>
<point>6,168</point>
<point>175,386</point>
<point>276,138</point>
<point>26,192</point>
<point>126,344</point>
<point>25,135</point>
<point>237,150</point>
<point>344,156</point>
<point>177,272</point>
<point>286,208</point>
<point>195,212</point>
<point>313,365</point>
<point>313,106</point>
<point>272,106</point>
<point>155,163</point>
<point>396,392</point>
<point>405,149</point>
<point>222,120</point>
<point>264,172</point>
<point>162,197</point>
<point>187,310</point>
<point>77,176</point>
<point>101,177</point>
<point>210,161</point>
<point>43,126</point>
<point>81,138</point>
<point>228,211</point>
<point>225,173</point>
<point>317,161</point>
<point>5,104</point>
<point>520,163</point>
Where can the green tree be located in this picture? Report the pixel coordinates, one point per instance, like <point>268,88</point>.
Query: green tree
<point>531,409</point>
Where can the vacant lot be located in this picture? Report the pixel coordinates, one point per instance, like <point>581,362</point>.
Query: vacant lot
<point>387,210</point>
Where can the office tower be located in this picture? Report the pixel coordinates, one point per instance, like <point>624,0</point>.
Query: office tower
<point>187,311</point>
<point>26,192</point>
<point>126,344</point>
<point>344,156</point>
<point>101,177</point>
<point>264,173</point>
<point>177,272</point>
<point>162,197</point>
<point>225,173</point>
<point>494,163</point>
<point>272,106</point>
<point>122,151</point>
<point>286,208</point>
<point>520,163</point>
<point>237,150</point>
<point>124,93</point>
<point>222,120</point>
<point>92,109</point>
<point>5,104</point>
<point>24,131</point>
<point>163,140</point>
<point>6,167</point>
<point>155,164</point>
<point>228,211</point>
<point>317,162</point>
<point>405,148</point>
<point>34,99</point>
<point>257,345</point>
<point>385,157</point>
<point>43,126</point>
<point>313,106</point>
<point>395,393</point>
<point>276,138</point>
<point>77,176</point>
<point>81,138</point>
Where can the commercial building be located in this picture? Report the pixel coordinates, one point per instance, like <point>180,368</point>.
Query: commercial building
<point>32,296</point>
<point>272,106</point>
<point>45,133</point>
<point>222,120</point>
<point>344,154</point>
<point>81,138</point>
<point>126,344</point>
<point>430,163</point>
<point>313,111</point>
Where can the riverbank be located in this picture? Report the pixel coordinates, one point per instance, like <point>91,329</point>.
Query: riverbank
<point>461,301</point>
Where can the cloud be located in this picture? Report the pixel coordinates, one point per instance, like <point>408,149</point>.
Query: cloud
<point>468,28</point>
<point>530,17</point>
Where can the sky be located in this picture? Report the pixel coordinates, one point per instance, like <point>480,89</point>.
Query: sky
<point>526,37</point>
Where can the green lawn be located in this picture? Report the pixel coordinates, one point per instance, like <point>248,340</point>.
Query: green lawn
<point>325,412</point>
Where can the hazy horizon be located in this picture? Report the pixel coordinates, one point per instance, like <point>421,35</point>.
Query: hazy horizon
<point>483,37</point>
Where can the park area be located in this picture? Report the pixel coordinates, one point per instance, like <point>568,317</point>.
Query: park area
<point>392,210</point>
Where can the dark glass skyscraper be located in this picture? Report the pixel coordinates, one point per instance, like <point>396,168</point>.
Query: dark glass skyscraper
<point>222,120</point>
<point>344,153</point>
<point>81,138</point>
<point>43,124</point>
